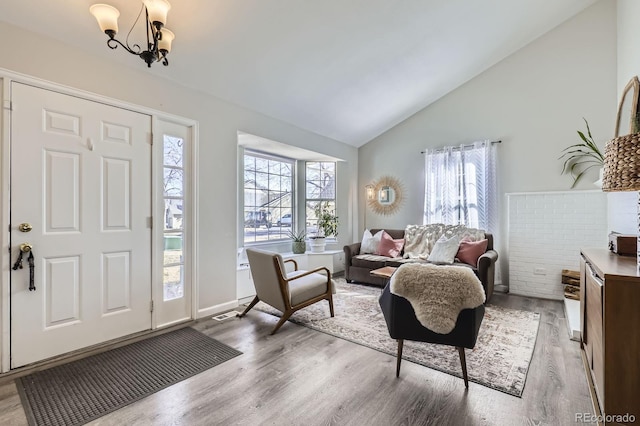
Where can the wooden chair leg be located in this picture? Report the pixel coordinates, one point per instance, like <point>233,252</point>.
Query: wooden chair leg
<point>463,362</point>
<point>399,356</point>
<point>251,305</point>
<point>330,299</point>
<point>283,319</point>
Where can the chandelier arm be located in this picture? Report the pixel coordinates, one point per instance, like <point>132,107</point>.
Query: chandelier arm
<point>112,44</point>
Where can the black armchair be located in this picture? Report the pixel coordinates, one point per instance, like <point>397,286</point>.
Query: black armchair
<point>403,324</point>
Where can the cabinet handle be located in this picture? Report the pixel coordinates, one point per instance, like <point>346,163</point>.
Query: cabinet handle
<point>595,277</point>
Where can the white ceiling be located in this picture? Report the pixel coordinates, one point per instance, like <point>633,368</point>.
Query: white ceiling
<point>345,69</point>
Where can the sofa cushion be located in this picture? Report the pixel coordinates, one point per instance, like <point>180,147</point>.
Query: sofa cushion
<point>370,242</point>
<point>390,247</point>
<point>470,251</point>
<point>444,250</point>
<point>370,261</point>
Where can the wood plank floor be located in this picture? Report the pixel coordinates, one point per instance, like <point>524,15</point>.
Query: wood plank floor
<point>304,377</point>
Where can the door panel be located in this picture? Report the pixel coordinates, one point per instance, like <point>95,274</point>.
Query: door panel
<point>62,290</point>
<point>61,191</point>
<point>81,176</point>
<point>116,190</point>
<point>116,281</point>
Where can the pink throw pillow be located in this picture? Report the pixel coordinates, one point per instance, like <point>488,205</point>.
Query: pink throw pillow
<point>470,251</point>
<point>390,247</point>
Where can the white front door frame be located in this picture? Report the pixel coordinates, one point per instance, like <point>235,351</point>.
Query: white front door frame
<point>6,77</point>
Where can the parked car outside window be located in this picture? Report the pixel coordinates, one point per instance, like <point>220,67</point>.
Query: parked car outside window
<point>285,220</point>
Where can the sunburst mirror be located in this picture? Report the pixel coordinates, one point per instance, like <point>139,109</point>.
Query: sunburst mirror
<point>387,197</point>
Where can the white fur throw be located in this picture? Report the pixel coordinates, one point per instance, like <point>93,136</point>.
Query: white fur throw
<point>438,293</point>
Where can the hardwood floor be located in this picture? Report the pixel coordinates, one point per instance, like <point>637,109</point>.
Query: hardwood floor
<point>304,377</point>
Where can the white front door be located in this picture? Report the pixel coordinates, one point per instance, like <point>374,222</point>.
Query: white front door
<point>81,177</point>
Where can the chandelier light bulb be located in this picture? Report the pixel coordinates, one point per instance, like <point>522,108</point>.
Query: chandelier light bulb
<point>164,44</point>
<point>157,10</point>
<point>107,17</point>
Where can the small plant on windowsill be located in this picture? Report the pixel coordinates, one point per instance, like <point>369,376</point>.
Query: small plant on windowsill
<point>579,158</point>
<point>298,244</point>
<point>327,227</point>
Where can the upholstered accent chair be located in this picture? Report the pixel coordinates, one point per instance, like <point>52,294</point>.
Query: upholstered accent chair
<point>403,325</point>
<point>290,291</point>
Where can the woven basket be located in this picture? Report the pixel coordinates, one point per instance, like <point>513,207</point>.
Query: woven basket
<point>622,164</point>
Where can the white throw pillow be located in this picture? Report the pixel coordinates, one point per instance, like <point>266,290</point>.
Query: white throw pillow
<point>444,250</point>
<point>370,242</point>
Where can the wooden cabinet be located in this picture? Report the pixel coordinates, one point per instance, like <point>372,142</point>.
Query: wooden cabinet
<point>610,324</point>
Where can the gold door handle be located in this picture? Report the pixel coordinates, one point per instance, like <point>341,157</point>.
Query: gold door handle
<point>25,247</point>
<point>25,227</point>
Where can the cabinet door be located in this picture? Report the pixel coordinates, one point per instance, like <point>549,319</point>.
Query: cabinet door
<point>595,352</point>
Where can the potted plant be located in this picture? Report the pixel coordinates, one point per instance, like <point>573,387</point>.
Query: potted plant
<point>298,244</point>
<point>579,158</point>
<point>327,227</point>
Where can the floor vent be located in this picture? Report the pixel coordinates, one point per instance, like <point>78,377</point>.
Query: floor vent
<point>225,316</point>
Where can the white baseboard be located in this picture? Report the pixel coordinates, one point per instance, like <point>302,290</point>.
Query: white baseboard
<point>216,309</point>
<point>501,288</point>
<point>244,300</point>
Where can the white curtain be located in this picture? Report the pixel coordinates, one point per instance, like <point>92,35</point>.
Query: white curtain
<point>460,186</point>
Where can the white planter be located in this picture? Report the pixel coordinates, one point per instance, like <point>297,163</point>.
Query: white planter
<point>598,183</point>
<point>317,245</point>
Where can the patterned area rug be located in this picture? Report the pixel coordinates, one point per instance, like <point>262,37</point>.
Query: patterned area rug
<point>499,361</point>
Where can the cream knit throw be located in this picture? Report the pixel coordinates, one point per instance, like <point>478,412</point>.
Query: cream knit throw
<point>438,293</point>
<point>420,239</point>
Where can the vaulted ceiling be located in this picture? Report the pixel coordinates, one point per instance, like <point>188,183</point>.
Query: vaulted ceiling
<point>345,69</point>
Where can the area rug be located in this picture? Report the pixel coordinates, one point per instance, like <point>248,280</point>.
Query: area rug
<point>83,390</point>
<point>499,361</point>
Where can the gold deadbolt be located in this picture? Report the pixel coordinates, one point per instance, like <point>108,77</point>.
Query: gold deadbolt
<point>25,247</point>
<point>25,227</point>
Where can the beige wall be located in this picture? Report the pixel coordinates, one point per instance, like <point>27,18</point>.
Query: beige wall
<point>28,53</point>
<point>533,101</point>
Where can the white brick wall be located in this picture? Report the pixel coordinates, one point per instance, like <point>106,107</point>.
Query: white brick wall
<point>545,234</point>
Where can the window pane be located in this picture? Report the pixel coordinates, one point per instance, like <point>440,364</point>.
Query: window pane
<point>249,198</point>
<point>313,190</point>
<point>262,180</point>
<point>262,165</point>
<point>173,280</point>
<point>173,151</point>
<point>328,167</point>
<point>313,172</point>
<point>173,215</point>
<point>274,182</point>
<point>249,179</point>
<point>249,162</point>
<point>286,183</point>
<point>173,182</point>
<point>173,249</point>
<point>274,167</point>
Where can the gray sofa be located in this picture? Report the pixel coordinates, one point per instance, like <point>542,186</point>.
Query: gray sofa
<point>357,268</point>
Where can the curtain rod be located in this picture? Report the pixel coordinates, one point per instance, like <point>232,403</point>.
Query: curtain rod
<point>457,147</point>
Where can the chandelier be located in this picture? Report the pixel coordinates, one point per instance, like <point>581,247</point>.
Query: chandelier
<point>159,38</point>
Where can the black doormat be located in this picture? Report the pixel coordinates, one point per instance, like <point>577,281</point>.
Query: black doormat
<point>83,390</point>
